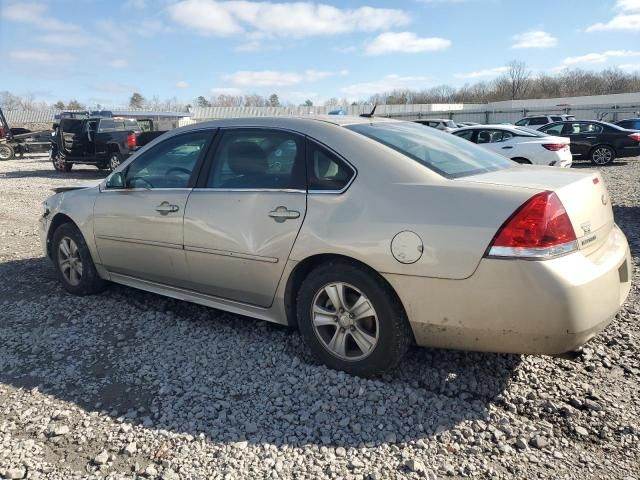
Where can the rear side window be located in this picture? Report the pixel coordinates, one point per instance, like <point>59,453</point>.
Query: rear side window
<point>554,129</point>
<point>555,118</point>
<point>325,170</point>
<point>445,154</point>
<point>107,125</point>
<point>538,121</point>
<point>258,159</point>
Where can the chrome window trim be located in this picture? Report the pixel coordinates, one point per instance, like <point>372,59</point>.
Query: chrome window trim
<point>163,189</point>
<point>281,190</point>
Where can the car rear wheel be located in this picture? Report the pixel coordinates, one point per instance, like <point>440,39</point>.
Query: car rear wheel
<point>351,320</point>
<point>73,262</point>
<point>602,155</point>
<point>115,159</point>
<point>60,165</point>
<point>6,152</point>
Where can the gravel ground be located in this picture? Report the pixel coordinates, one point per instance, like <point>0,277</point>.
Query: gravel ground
<point>129,384</point>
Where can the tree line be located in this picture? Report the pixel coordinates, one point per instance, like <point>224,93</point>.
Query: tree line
<point>520,83</point>
<point>517,83</point>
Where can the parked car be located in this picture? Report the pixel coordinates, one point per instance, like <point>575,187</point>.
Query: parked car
<point>600,142</point>
<point>466,124</point>
<point>442,124</point>
<point>101,141</point>
<point>283,219</point>
<point>629,123</point>
<point>537,121</point>
<point>520,144</point>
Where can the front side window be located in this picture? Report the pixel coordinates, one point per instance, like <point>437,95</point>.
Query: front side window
<point>169,164</point>
<point>258,159</point>
<point>325,170</point>
<point>538,121</point>
<point>445,154</point>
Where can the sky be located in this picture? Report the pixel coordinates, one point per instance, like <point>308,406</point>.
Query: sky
<point>100,51</point>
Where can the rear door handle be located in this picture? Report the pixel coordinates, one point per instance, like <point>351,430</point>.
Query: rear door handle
<point>282,213</point>
<point>166,207</point>
<point>505,148</point>
<point>591,138</point>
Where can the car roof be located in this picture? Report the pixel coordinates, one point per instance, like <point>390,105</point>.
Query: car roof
<point>497,126</point>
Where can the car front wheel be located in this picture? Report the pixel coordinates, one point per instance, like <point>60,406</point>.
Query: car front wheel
<point>115,159</point>
<point>60,165</point>
<point>352,320</point>
<point>602,155</point>
<point>73,262</point>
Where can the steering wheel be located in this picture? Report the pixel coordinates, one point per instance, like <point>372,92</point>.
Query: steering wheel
<point>178,170</point>
<point>134,180</point>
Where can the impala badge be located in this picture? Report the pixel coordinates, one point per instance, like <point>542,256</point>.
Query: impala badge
<point>586,227</point>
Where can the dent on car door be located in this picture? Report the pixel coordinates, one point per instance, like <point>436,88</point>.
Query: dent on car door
<point>139,227</point>
<point>243,218</point>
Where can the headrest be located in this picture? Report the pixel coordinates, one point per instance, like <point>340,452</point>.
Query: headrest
<point>247,158</point>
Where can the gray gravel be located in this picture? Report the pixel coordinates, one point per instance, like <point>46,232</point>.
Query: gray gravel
<point>129,384</point>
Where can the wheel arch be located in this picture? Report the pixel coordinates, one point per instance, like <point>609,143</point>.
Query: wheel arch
<point>522,160</point>
<point>56,221</point>
<point>603,145</point>
<point>304,267</point>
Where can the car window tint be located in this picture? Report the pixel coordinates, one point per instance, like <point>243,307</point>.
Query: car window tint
<point>554,129</point>
<point>591,128</point>
<point>169,164</point>
<point>538,121</point>
<point>255,158</point>
<point>556,118</point>
<point>466,134</point>
<point>443,153</point>
<point>325,170</point>
<point>484,136</point>
<point>522,123</point>
<point>107,125</point>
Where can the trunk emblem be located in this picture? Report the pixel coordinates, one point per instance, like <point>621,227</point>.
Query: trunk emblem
<point>603,199</point>
<point>586,227</point>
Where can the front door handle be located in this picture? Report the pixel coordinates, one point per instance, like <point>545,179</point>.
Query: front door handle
<point>166,207</point>
<point>505,148</point>
<point>591,138</point>
<point>282,213</point>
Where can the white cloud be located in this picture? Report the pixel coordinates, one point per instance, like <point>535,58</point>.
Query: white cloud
<point>627,19</point>
<point>225,91</point>
<point>534,39</point>
<point>597,58</point>
<point>405,42</point>
<point>35,13</point>
<point>268,78</point>
<point>487,72</point>
<point>182,84</point>
<point>299,19</point>
<point>385,84</point>
<point>41,57</point>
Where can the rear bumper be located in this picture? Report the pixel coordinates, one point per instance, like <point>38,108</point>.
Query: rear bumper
<point>519,306</point>
<point>626,152</point>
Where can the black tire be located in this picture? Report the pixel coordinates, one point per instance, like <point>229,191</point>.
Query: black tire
<point>60,165</point>
<point>6,152</point>
<point>602,155</point>
<point>89,282</point>
<point>115,159</point>
<point>521,161</point>
<point>394,333</point>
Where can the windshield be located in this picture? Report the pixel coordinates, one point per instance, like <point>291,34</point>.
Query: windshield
<point>446,154</point>
<point>531,132</point>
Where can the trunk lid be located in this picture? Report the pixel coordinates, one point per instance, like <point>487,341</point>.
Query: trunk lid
<point>583,194</point>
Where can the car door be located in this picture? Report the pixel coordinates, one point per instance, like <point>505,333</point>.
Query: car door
<point>105,130</point>
<point>243,218</point>
<point>139,228</point>
<point>583,136</point>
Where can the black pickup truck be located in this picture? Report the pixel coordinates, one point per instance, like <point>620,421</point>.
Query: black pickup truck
<point>95,140</point>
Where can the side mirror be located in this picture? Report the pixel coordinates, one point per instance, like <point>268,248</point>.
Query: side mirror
<point>116,180</point>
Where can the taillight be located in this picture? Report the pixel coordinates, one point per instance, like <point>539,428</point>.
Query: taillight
<point>132,140</point>
<point>539,229</point>
<point>554,147</point>
<point>635,136</point>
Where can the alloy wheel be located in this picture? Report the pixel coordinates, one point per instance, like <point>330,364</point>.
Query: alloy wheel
<point>602,156</point>
<point>69,261</point>
<point>345,321</point>
<point>5,152</point>
<point>114,161</point>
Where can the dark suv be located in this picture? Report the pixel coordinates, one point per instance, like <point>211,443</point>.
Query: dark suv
<point>103,142</point>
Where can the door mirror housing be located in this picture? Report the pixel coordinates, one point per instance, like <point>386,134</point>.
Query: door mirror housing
<point>116,180</point>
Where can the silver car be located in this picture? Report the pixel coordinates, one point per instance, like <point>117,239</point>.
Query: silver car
<point>366,234</point>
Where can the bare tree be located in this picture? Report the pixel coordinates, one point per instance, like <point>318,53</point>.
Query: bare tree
<point>519,76</point>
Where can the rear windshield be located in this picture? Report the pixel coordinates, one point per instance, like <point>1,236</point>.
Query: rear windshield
<point>446,154</point>
<point>531,132</point>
